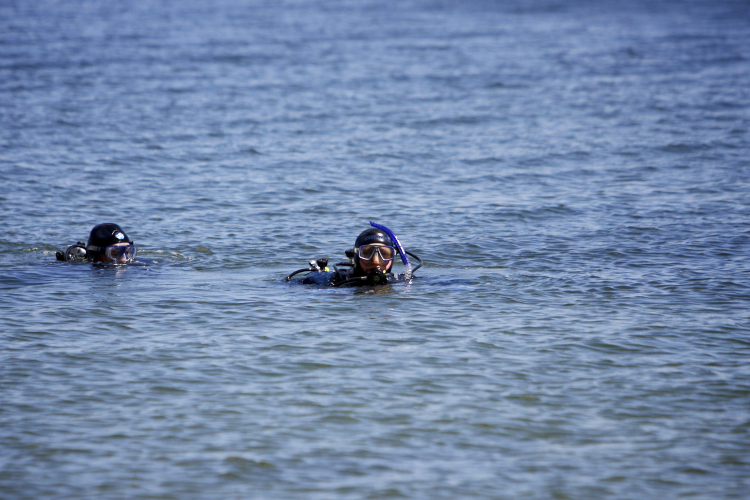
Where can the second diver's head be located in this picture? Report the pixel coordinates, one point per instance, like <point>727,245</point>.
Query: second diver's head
<point>109,244</point>
<point>373,250</point>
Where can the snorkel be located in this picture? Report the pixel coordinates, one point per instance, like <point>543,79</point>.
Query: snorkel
<point>400,249</point>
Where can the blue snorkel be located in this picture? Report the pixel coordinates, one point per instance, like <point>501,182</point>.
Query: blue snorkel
<point>400,249</point>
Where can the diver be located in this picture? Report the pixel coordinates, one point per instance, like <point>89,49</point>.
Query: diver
<point>370,262</point>
<point>107,244</point>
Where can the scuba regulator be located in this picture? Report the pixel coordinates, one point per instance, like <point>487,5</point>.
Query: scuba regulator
<point>376,277</point>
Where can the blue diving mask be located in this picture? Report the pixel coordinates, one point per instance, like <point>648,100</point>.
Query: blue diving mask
<point>120,254</point>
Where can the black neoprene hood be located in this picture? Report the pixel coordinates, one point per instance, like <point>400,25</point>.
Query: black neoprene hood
<point>370,236</point>
<point>107,234</point>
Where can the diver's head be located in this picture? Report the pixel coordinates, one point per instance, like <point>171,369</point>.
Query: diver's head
<point>108,243</point>
<point>373,250</point>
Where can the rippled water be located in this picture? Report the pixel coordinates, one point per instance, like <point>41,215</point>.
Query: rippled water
<point>575,176</point>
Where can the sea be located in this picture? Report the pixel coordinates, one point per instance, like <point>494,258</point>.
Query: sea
<point>575,175</point>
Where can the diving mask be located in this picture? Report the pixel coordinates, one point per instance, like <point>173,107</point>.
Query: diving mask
<point>367,252</point>
<point>120,254</point>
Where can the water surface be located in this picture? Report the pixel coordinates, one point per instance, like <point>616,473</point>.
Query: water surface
<point>575,176</point>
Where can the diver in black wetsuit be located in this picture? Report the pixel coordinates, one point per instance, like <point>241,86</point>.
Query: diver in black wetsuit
<point>370,262</point>
<point>107,244</point>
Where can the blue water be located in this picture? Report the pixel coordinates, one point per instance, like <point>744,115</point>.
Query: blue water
<point>575,175</point>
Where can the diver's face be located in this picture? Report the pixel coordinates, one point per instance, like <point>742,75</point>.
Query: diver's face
<point>376,262</point>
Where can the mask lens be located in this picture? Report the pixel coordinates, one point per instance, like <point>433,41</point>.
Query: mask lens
<point>386,253</point>
<point>366,252</point>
